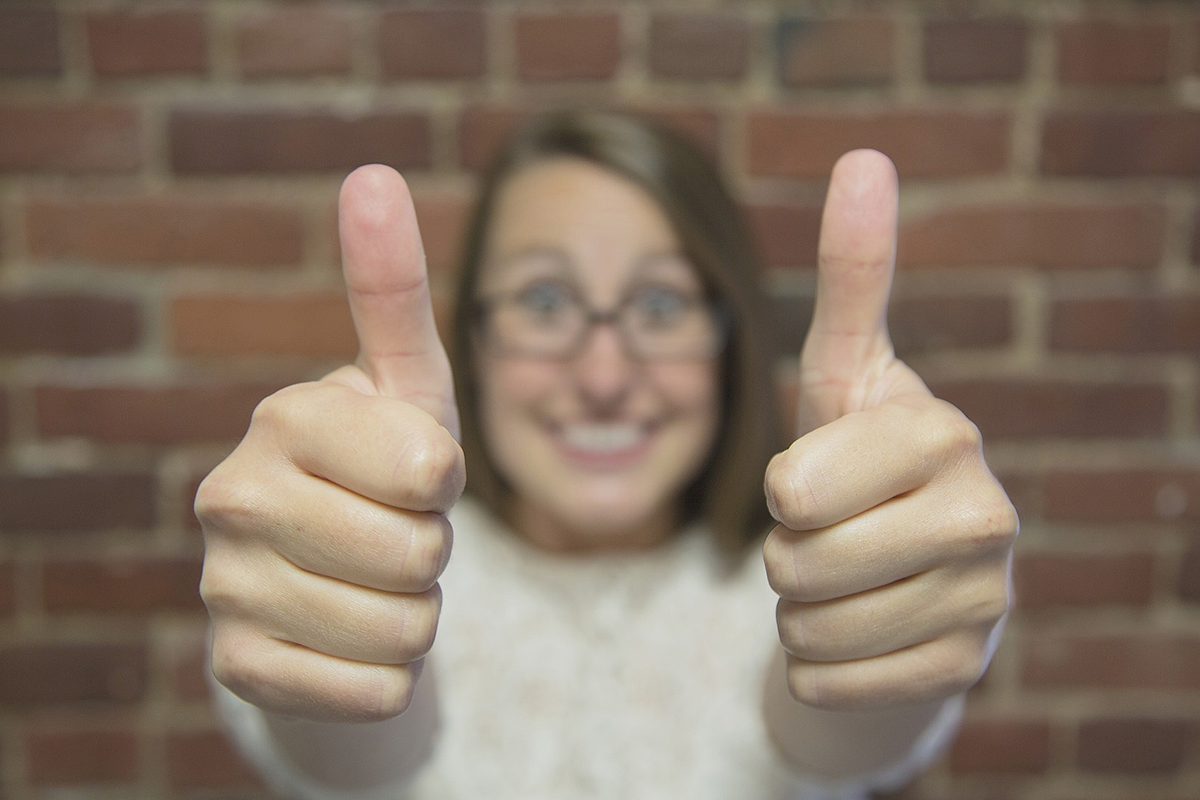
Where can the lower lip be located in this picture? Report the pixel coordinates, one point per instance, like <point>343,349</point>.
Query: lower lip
<point>607,460</point>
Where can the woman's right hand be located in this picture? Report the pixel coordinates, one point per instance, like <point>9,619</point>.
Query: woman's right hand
<point>325,529</point>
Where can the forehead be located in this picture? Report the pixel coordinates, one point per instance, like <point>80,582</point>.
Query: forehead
<point>600,222</point>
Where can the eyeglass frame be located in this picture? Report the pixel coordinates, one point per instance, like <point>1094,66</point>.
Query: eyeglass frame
<point>722,317</point>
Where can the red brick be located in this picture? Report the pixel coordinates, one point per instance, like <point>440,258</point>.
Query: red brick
<point>1048,236</point>
<point>61,756</point>
<point>975,50</point>
<point>1145,745</point>
<point>482,130</point>
<point>222,141</point>
<point>206,760</point>
<point>1101,51</point>
<point>1166,323</point>
<point>433,43</point>
<point>42,674</point>
<point>696,46</point>
<point>923,144</point>
<point>4,421</point>
<point>836,52</point>
<point>1196,239</point>
<point>76,502</point>
<point>1051,409</point>
<point>29,41</point>
<point>69,137</point>
<point>1001,745</point>
<point>917,325</point>
<point>1063,579</point>
<point>1123,495</point>
<point>314,326</point>
<point>1189,575</point>
<point>189,667</point>
<point>124,43</point>
<point>8,589</point>
<point>308,40</point>
<point>702,127</point>
<point>577,46</point>
<point>165,230</point>
<point>1116,143</point>
<point>160,415</point>
<point>786,234</point>
<point>67,324</point>
<point>122,586</point>
<point>1055,659</point>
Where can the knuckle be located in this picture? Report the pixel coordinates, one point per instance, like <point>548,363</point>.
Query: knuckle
<point>991,525</point>
<point>397,686</point>
<point>793,630</point>
<point>427,550</point>
<point>418,625</point>
<point>431,465</point>
<point>793,495</point>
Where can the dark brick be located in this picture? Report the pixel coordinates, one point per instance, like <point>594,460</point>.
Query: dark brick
<point>1189,575</point>
<point>68,137</point>
<point>1102,51</point>
<point>122,586</point>
<point>67,324</point>
<point>62,756</point>
<point>1123,495</point>
<point>1001,745</point>
<point>206,760</point>
<point>158,415</point>
<point>699,46</point>
<point>1078,579</point>
<point>1116,143</point>
<point>1134,745</point>
<point>49,674</point>
<point>569,46</point>
<point>1158,660</point>
<point>923,144</point>
<point>975,50</point>
<point>124,43</point>
<point>1168,323</point>
<point>216,141</point>
<point>787,235</point>
<point>836,52</point>
<point>1049,409</point>
<point>433,43</point>
<point>29,41</point>
<point>76,502</point>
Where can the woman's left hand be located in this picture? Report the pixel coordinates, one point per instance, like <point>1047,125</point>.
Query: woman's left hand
<point>893,552</point>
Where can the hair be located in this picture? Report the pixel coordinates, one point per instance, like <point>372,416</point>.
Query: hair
<point>728,492</point>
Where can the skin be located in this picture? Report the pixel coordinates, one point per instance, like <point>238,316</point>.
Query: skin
<point>567,219</point>
<point>325,528</point>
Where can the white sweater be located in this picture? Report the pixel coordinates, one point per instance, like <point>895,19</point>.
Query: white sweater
<point>613,676</point>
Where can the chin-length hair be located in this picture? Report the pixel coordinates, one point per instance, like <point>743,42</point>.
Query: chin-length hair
<point>727,494</point>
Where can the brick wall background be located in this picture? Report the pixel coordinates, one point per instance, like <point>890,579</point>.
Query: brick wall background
<point>168,173</point>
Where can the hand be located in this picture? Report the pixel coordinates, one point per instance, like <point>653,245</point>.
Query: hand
<point>892,556</point>
<point>324,530</point>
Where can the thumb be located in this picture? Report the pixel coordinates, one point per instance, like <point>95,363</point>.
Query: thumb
<point>388,289</point>
<point>848,349</point>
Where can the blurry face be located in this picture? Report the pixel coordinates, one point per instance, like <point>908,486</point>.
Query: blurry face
<point>597,445</point>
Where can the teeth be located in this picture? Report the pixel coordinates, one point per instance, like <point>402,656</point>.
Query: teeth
<point>602,438</point>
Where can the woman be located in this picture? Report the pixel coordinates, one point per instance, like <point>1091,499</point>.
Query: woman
<point>607,630</point>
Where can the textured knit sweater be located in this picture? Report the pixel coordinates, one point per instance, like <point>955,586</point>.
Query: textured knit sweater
<point>637,675</point>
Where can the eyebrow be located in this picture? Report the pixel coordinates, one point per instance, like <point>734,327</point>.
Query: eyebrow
<point>564,261</point>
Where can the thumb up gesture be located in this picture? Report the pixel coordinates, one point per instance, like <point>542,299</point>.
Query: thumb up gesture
<point>324,530</point>
<point>892,556</point>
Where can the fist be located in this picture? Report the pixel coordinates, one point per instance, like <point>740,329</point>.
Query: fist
<point>892,557</point>
<point>325,529</point>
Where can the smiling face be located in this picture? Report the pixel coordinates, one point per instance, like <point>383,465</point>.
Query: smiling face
<point>597,445</point>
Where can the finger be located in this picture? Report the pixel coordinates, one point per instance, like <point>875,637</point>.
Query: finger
<point>856,259</point>
<point>922,673</point>
<point>859,461</point>
<point>388,288</point>
<point>325,529</point>
<point>896,616</point>
<point>387,450</point>
<point>296,681</point>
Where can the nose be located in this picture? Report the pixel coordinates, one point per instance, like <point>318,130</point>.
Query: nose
<point>603,370</point>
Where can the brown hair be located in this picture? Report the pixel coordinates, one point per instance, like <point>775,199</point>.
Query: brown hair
<point>728,493</point>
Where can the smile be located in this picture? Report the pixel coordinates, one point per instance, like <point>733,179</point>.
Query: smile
<point>603,445</point>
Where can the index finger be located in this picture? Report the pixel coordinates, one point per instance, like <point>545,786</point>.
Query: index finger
<point>388,289</point>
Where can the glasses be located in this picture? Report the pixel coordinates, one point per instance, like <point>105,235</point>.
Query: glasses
<point>548,319</point>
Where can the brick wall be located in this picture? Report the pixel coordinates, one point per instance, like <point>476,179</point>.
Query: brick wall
<point>168,172</point>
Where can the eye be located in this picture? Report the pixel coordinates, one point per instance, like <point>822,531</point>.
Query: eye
<point>545,299</point>
<point>660,306</point>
